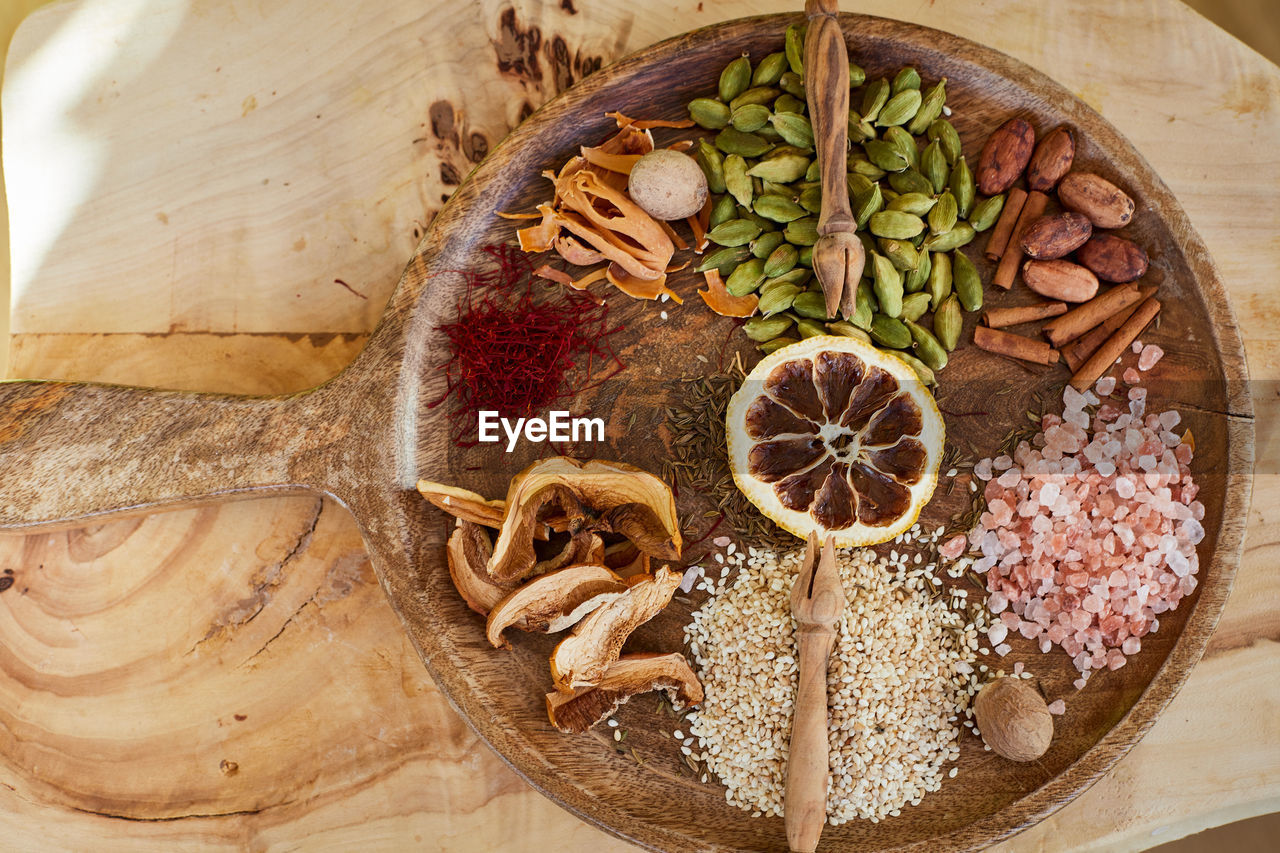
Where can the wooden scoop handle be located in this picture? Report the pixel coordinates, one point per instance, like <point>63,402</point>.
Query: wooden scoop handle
<point>826,71</point>
<point>70,451</point>
<point>808,764</point>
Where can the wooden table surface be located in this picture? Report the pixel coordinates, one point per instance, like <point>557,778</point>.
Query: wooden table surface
<point>221,194</point>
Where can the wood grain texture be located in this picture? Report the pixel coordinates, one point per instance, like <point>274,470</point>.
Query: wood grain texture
<point>1240,94</point>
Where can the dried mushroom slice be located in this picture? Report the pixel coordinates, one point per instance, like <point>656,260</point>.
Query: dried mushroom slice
<point>467,552</point>
<point>553,602</point>
<point>463,504</point>
<point>630,675</point>
<point>582,658</point>
<point>831,436</point>
<point>592,497</point>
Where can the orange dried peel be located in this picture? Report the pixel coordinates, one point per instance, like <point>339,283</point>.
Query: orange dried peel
<point>724,303</point>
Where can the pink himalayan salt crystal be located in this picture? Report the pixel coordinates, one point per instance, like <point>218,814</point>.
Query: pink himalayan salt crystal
<point>1089,537</point>
<point>1149,356</point>
<point>1057,707</point>
<point>1131,376</point>
<point>953,547</point>
<point>1137,347</point>
<point>1105,386</point>
<point>721,541</point>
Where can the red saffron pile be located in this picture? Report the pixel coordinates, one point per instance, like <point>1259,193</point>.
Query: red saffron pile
<point>516,343</point>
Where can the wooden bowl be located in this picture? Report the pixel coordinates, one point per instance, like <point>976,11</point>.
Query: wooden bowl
<point>74,451</point>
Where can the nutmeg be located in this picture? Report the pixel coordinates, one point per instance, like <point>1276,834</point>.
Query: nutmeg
<point>1014,719</point>
<point>668,184</point>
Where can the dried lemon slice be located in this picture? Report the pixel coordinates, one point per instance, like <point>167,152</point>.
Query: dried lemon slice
<point>830,435</point>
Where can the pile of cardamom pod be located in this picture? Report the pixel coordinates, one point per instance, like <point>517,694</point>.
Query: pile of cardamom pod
<point>915,208</point>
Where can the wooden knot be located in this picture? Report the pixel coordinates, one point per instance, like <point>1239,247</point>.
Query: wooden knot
<point>821,8</point>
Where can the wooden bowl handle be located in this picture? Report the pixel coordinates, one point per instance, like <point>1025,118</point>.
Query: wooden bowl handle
<point>71,451</point>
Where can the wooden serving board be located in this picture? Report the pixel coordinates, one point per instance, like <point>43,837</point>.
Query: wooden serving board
<point>136,807</point>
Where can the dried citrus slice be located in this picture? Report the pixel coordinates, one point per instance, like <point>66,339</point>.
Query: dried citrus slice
<point>831,435</point>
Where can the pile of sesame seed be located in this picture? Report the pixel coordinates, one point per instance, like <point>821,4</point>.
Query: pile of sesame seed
<point>901,677</point>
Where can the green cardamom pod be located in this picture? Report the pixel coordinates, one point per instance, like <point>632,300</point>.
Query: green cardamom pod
<point>806,256</point>
<point>765,245</point>
<point>815,172</point>
<point>735,78</point>
<point>922,370</point>
<point>733,141</point>
<point>905,143</point>
<point>768,187</point>
<point>845,329</point>
<point>914,306</point>
<point>793,45</point>
<point>907,78</point>
<point>930,108</point>
<point>860,165</point>
<point>781,259</point>
<point>927,347</point>
<point>947,323</point>
<point>802,232</point>
<point>933,163</point>
<point>944,133</point>
<point>874,98</point>
<point>746,278</point>
<point>868,246</point>
<point>761,329</point>
<point>811,305</point>
<point>723,260</point>
<point>962,187</point>
<point>915,203</point>
<point>859,185</point>
<point>770,69</point>
<point>776,344</point>
<point>856,75</point>
<point>915,280</point>
<point>782,170</point>
<point>724,209</point>
<point>709,113</point>
<point>967,283</point>
<point>859,130</point>
<point>986,212</point>
<point>750,118</point>
<point>960,235</point>
<point>889,332</point>
<point>864,306</point>
<point>867,205</point>
<point>943,216</point>
<point>895,224</point>
<point>811,199</point>
<point>755,96</point>
<point>900,253</point>
<point>910,181</point>
<point>799,276</point>
<point>788,103</point>
<point>778,299</point>
<point>794,128</point>
<point>778,208</point>
<point>768,134</point>
<point>939,284</point>
<point>712,163</point>
<point>887,284</point>
<point>749,215</point>
<point>792,84</point>
<point>810,328</point>
<point>900,109</point>
<point>884,155</point>
<point>737,181</point>
<point>735,232</point>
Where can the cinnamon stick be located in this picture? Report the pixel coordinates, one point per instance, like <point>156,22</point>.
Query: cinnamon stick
<point>1089,314</point>
<point>1012,256</point>
<point>1014,346</point>
<point>998,318</point>
<point>1003,229</point>
<point>1101,361</point>
<point>1087,344</point>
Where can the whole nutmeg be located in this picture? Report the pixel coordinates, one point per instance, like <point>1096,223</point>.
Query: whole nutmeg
<point>668,184</point>
<point>1014,719</point>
